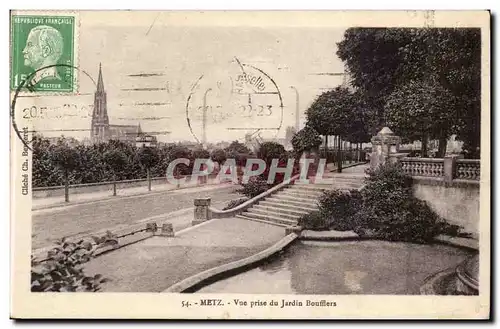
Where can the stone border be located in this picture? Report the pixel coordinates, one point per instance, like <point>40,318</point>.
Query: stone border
<point>193,282</point>
<point>438,181</point>
<point>310,235</point>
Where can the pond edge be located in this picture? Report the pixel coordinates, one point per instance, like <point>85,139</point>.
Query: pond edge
<point>198,279</point>
<point>309,235</point>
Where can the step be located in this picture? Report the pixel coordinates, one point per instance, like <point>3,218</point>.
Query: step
<point>283,209</point>
<point>293,202</point>
<point>299,192</point>
<point>327,186</point>
<point>281,196</point>
<point>311,187</point>
<point>261,221</point>
<point>305,194</point>
<point>274,213</point>
<point>270,218</point>
<point>300,207</point>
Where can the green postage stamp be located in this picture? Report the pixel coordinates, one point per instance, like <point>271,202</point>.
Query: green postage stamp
<point>43,52</point>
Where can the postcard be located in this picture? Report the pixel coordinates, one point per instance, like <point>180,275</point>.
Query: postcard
<point>250,164</point>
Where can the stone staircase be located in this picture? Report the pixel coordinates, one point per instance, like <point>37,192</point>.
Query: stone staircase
<point>286,206</point>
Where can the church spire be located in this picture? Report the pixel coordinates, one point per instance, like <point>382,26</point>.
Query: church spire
<point>100,83</point>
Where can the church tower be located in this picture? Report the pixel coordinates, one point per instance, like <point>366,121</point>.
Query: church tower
<point>99,131</point>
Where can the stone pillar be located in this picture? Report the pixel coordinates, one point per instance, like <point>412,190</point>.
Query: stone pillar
<point>201,210</point>
<point>167,230</point>
<point>384,144</point>
<point>450,163</point>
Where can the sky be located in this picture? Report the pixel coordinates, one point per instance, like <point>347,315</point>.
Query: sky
<point>161,71</point>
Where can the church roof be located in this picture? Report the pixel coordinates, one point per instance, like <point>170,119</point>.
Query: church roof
<point>100,82</point>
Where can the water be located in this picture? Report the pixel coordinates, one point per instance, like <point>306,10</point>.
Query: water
<point>358,267</point>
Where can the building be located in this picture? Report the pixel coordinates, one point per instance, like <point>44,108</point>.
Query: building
<point>145,140</point>
<point>101,130</point>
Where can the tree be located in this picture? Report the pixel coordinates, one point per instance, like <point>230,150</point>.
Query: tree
<point>115,160</point>
<point>219,156</point>
<point>331,114</point>
<point>306,139</point>
<point>422,110</point>
<point>66,158</point>
<point>44,171</point>
<point>380,60</point>
<point>237,147</point>
<point>239,152</point>
<point>148,157</point>
<point>271,150</point>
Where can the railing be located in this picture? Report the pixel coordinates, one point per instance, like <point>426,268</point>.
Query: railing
<point>56,191</point>
<point>468,169</point>
<point>449,169</point>
<point>423,167</point>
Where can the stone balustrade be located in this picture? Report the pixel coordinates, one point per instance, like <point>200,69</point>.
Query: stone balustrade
<point>449,168</point>
<point>468,169</point>
<point>423,167</point>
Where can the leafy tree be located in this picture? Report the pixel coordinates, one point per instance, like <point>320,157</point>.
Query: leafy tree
<point>306,139</point>
<point>421,110</point>
<point>45,172</point>
<point>148,157</point>
<point>332,114</point>
<point>219,156</point>
<point>239,152</point>
<point>271,150</point>
<point>66,158</point>
<point>115,160</point>
<point>380,60</point>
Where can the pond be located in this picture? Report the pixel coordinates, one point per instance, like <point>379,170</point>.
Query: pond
<point>356,267</point>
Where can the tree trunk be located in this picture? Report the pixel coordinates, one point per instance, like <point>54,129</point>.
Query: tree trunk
<point>443,142</point>
<point>66,185</point>
<point>114,185</point>
<point>326,148</point>
<point>424,146</point>
<point>339,157</point>
<point>357,153</point>
<point>149,179</point>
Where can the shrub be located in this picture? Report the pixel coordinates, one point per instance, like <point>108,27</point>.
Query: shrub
<point>62,269</point>
<point>385,208</point>
<point>235,203</point>
<point>340,208</point>
<point>254,187</point>
<point>316,221</point>
<point>390,211</point>
<point>412,220</point>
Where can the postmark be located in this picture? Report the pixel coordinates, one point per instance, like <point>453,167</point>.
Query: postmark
<point>33,113</point>
<point>243,100</point>
<point>44,43</point>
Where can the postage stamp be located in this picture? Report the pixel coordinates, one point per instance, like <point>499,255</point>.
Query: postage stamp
<point>250,165</point>
<point>43,52</point>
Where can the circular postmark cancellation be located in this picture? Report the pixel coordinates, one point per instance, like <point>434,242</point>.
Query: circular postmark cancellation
<point>43,48</point>
<point>233,102</point>
<point>32,112</point>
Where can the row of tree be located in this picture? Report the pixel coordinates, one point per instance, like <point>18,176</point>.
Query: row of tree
<point>69,162</point>
<point>423,83</point>
<point>55,164</point>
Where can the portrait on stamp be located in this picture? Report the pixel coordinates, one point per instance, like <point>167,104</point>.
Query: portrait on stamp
<point>43,52</point>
